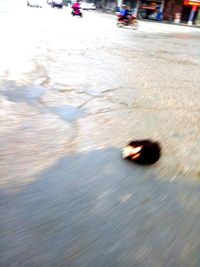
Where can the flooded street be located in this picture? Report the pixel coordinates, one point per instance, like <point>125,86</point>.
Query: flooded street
<point>73,92</point>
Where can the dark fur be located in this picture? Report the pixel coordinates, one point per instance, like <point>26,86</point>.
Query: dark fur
<point>150,152</point>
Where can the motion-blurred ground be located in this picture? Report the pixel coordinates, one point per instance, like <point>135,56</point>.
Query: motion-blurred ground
<point>73,92</point>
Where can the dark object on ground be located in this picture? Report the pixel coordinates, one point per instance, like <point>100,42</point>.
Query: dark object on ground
<point>142,151</point>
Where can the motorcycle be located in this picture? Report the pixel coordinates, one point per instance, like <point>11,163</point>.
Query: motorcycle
<point>76,10</point>
<point>129,21</point>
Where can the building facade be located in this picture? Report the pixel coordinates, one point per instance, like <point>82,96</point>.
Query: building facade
<point>178,11</point>
<point>182,11</point>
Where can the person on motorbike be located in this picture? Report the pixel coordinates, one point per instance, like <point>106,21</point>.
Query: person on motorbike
<point>124,13</point>
<point>127,18</point>
<point>77,8</point>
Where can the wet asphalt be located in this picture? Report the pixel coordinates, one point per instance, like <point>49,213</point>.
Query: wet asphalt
<point>72,93</point>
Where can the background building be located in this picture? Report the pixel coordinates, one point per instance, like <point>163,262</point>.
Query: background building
<point>179,11</point>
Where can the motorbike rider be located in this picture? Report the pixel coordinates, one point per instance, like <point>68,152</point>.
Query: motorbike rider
<point>76,6</point>
<point>125,17</point>
<point>124,13</point>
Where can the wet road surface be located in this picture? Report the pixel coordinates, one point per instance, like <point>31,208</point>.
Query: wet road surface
<point>73,92</point>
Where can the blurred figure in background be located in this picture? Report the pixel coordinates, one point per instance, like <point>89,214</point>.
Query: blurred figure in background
<point>76,9</point>
<point>124,12</point>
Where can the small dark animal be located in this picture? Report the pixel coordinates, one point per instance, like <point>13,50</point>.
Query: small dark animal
<point>142,151</point>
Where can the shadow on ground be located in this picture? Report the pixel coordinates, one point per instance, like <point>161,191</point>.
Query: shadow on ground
<point>94,209</point>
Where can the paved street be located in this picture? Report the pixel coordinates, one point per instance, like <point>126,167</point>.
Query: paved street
<point>72,93</point>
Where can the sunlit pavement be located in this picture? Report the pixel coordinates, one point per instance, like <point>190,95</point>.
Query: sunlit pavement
<point>73,92</point>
